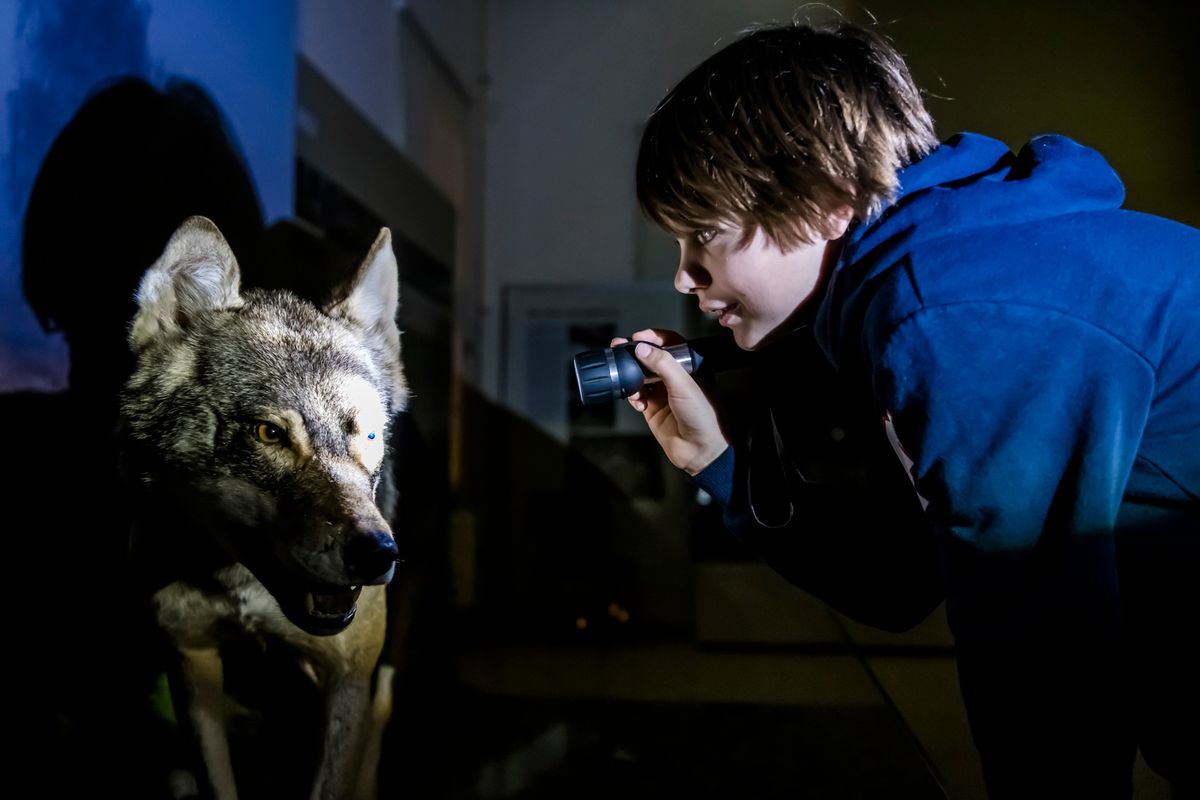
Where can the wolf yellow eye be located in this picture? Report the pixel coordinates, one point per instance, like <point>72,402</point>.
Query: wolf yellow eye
<point>267,433</point>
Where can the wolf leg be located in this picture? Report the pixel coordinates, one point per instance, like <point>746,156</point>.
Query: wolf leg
<point>342,666</point>
<point>347,723</point>
<point>203,680</point>
<point>381,712</point>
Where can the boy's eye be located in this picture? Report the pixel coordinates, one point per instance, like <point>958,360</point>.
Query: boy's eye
<point>267,433</point>
<point>704,236</point>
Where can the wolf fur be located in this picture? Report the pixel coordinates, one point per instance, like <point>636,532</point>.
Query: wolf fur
<point>255,432</point>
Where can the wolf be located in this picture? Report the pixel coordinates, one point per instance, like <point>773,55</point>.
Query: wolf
<point>254,435</point>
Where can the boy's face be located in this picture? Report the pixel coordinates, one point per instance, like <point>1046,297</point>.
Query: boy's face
<point>753,290</point>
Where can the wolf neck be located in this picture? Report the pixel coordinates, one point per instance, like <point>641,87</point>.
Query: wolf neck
<point>166,547</point>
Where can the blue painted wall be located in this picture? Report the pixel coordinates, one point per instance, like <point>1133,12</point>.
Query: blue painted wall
<point>53,53</point>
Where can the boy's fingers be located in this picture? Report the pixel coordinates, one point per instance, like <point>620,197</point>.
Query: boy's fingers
<point>648,335</point>
<point>637,400</point>
<point>652,399</point>
<point>666,367</point>
<point>649,399</point>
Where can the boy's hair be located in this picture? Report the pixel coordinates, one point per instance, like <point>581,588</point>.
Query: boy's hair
<point>780,129</point>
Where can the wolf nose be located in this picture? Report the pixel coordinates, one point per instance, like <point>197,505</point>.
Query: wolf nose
<point>371,556</point>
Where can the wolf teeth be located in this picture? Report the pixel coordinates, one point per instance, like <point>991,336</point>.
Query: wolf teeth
<point>333,605</point>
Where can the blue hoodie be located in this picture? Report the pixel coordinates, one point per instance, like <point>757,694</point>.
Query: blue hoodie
<point>1037,351</point>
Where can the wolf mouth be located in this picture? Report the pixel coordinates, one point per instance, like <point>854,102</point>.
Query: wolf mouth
<point>317,609</point>
<point>332,606</point>
<point>325,611</point>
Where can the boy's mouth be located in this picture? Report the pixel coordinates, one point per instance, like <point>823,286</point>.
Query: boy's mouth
<point>724,314</point>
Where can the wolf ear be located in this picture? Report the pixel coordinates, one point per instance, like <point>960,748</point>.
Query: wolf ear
<point>197,273</point>
<point>373,293</point>
<point>371,300</point>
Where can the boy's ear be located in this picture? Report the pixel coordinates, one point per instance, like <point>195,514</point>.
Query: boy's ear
<point>839,221</point>
<point>371,301</point>
<point>196,274</point>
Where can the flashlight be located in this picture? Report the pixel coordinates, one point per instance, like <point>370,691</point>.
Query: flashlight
<point>613,372</point>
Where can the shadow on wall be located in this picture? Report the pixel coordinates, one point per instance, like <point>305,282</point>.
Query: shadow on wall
<point>60,51</point>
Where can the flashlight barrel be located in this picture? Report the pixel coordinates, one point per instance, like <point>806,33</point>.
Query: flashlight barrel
<point>611,373</point>
<point>684,356</point>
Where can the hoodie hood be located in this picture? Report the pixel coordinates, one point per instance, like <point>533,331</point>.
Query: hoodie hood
<point>968,184</point>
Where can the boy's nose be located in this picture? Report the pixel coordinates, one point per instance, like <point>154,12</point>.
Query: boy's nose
<point>690,276</point>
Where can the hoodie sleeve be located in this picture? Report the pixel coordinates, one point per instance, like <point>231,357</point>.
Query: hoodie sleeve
<point>1022,424</point>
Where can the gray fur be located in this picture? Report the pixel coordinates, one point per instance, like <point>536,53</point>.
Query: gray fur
<point>233,533</point>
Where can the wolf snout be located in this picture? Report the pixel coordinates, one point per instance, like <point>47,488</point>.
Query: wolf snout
<point>371,557</point>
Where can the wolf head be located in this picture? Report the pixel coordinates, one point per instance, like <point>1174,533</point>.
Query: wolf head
<point>261,421</point>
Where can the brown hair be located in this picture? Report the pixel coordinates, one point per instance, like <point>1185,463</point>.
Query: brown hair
<point>780,129</point>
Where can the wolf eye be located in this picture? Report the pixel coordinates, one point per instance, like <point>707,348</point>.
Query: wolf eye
<point>267,433</point>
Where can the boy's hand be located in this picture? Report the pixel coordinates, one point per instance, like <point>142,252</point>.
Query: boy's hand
<point>679,413</point>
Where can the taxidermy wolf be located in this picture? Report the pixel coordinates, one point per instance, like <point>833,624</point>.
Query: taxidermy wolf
<point>254,437</point>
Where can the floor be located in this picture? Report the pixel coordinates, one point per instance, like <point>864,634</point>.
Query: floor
<point>770,697</point>
<point>793,703</point>
<point>598,748</point>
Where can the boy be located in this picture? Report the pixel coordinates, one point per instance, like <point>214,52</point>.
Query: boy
<point>1032,350</point>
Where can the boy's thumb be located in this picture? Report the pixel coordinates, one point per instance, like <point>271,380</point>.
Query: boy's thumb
<point>663,364</point>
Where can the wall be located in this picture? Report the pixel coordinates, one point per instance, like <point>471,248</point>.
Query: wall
<point>1123,78</point>
<point>53,54</point>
